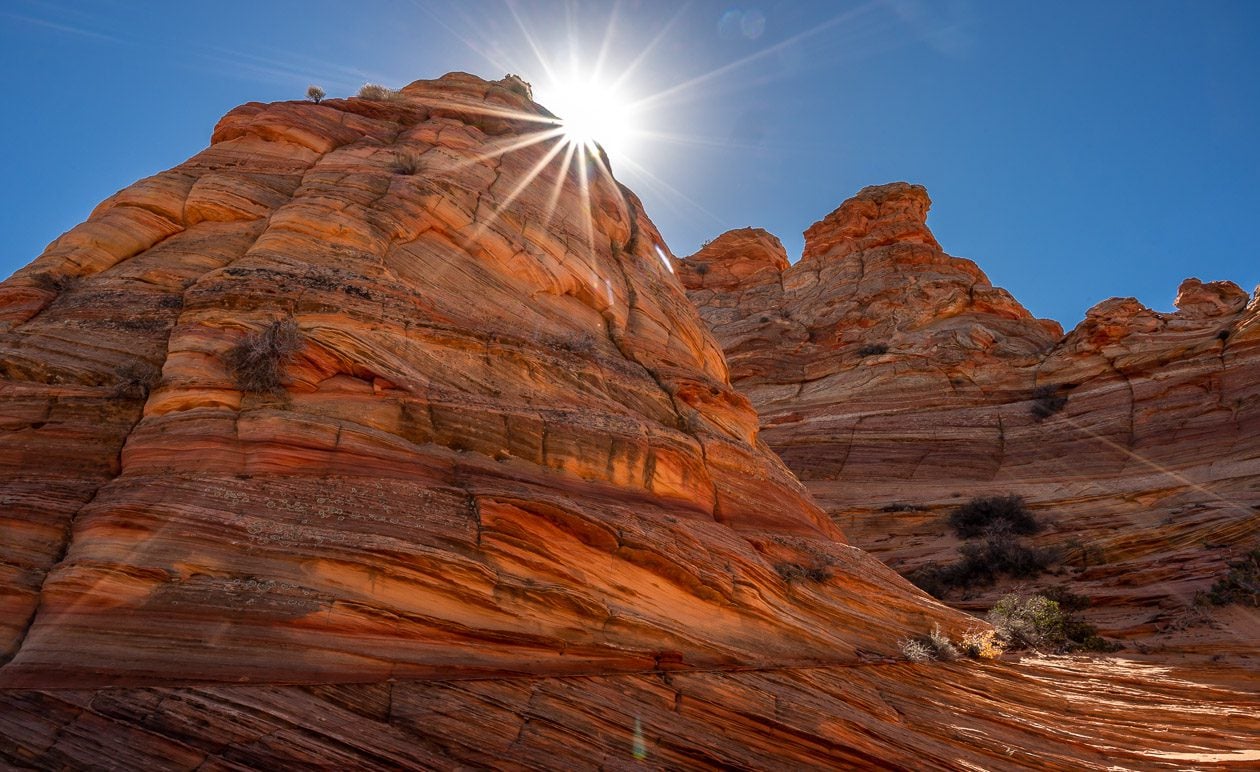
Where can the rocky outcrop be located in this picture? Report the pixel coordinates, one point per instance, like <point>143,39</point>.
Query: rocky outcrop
<point>498,446</point>
<point>897,382</point>
<point>379,434</point>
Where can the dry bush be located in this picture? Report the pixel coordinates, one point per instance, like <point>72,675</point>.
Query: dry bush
<point>257,361</point>
<point>933,646</point>
<point>135,380</point>
<point>406,163</point>
<point>916,651</point>
<point>873,349</point>
<point>981,644</point>
<point>377,92</point>
<point>315,93</point>
<point>55,283</point>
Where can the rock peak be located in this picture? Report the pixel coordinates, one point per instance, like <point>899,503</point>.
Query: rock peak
<point>734,258</point>
<point>878,215</point>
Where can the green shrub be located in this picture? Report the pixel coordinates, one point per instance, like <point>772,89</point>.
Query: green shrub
<point>1035,621</point>
<point>986,514</point>
<point>1241,585</point>
<point>1042,623</point>
<point>257,361</point>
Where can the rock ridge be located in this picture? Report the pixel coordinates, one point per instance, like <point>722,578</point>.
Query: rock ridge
<point>896,381</point>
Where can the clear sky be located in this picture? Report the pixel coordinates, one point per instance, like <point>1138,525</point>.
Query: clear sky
<point>1075,150</point>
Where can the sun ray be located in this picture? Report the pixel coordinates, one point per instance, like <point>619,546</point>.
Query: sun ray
<point>660,96</point>
<point>538,168</point>
<point>529,40</point>
<point>554,199</point>
<point>646,51</point>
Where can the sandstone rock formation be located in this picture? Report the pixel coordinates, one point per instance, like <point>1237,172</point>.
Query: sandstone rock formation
<point>897,382</point>
<point>380,435</point>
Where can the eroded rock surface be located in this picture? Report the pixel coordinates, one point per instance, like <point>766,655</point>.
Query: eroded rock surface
<point>502,506</point>
<point>897,382</point>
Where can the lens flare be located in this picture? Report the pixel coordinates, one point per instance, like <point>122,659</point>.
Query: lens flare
<point>592,113</point>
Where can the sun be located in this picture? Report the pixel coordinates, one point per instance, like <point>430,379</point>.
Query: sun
<point>592,113</point>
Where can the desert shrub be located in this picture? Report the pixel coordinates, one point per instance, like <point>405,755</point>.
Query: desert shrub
<point>795,572</point>
<point>1067,600</point>
<point>933,646</point>
<point>314,93</point>
<point>1035,621</point>
<point>993,514</point>
<point>898,506</point>
<point>981,563</point>
<point>376,92</point>
<point>981,644</point>
<point>916,650</point>
<point>518,85</point>
<point>58,283</point>
<point>135,380</point>
<point>702,268</point>
<point>406,163</point>
<point>257,361</point>
<point>1047,400</point>
<point>873,349</point>
<point>1042,623</point>
<point>1241,585</point>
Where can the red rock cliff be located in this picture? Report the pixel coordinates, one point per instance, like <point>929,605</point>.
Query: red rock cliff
<point>897,382</point>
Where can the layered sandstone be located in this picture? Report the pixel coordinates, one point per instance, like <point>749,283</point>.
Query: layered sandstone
<point>897,382</point>
<point>505,445</point>
<point>504,507</point>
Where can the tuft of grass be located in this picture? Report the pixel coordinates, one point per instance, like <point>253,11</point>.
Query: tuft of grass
<point>257,361</point>
<point>873,349</point>
<point>406,163</point>
<point>931,647</point>
<point>984,515</point>
<point>916,650</point>
<point>315,93</point>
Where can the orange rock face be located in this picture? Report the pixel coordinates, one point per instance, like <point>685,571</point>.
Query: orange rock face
<point>505,443</point>
<point>379,435</point>
<point>897,382</point>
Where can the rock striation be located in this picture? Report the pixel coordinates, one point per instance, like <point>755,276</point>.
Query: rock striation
<point>897,382</point>
<point>380,435</point>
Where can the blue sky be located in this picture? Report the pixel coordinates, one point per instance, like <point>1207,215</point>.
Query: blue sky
<point>1076,151</point>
